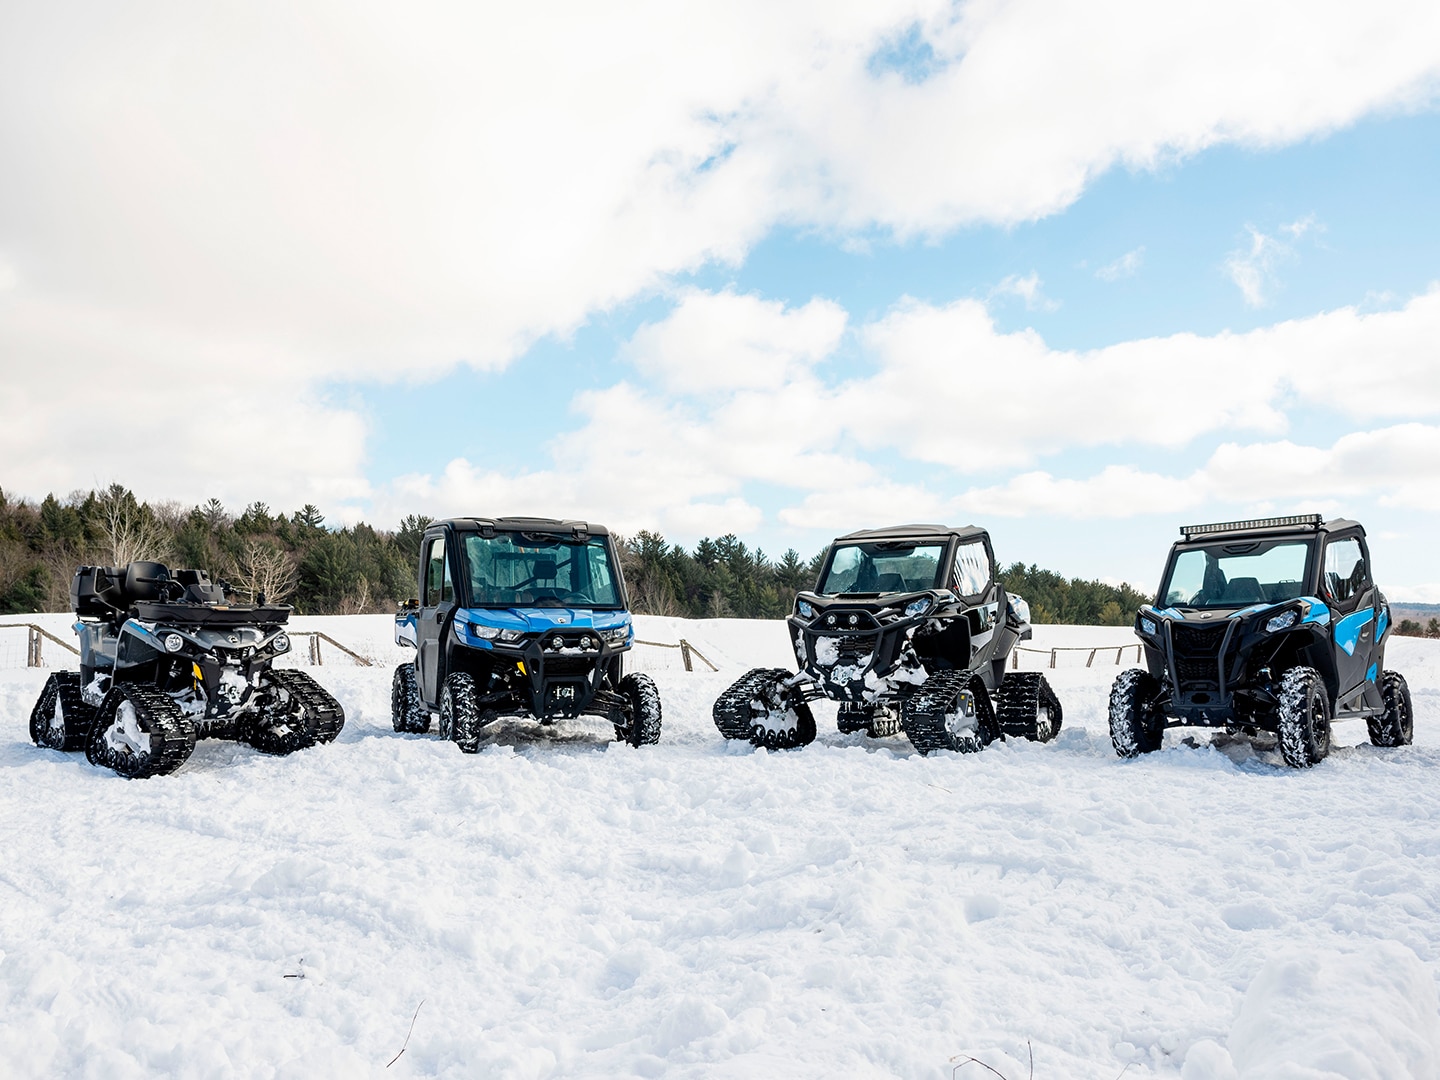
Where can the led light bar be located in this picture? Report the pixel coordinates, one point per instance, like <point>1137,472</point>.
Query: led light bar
<point>1308,521</point>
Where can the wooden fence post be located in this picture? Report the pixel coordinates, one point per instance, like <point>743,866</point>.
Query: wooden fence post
<point>315,650</point>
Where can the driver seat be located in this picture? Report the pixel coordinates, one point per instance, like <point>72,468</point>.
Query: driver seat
<point>145,582</point>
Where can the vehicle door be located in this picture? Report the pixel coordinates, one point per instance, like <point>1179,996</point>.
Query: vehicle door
<point>1346,587</point>
<point>974,580</point>
<point>437,601</point>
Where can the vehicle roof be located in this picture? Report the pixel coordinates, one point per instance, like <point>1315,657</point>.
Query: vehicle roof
<point>1252,530</point>
<point>524,524</point>
<point>916,532</point>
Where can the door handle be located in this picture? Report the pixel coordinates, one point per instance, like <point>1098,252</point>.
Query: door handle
<point>439,616</point>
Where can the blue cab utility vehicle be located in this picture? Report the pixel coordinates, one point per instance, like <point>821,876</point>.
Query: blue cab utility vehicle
<point>1273,625</point>
<point>519,615</point>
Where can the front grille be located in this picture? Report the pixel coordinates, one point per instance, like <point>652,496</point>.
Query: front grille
<point>1197,655</point>
<point>568,665</point>
<point>842,650</point>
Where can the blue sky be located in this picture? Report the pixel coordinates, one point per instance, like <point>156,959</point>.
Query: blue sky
<point>1077,279</point>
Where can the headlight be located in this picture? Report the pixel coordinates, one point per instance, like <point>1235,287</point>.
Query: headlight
<point>1283,621</point>
<point>805,608</point>
<point>480,630</point>
<point>1021,607</point>
<point>918,607</point>
<point>174,642</point>
<point>616,635</point>
<point>1148,626</point>
<point>281,643</point>
<point>511,635</point>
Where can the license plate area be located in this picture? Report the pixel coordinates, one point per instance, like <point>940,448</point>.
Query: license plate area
<point>563,698</point>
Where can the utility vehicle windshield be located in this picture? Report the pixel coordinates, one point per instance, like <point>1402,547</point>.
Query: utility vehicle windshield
<point>535,570</point>
<point>1237,574</point>
<point>888,566</point>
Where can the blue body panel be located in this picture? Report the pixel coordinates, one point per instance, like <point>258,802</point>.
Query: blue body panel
<point>522,620</point>
<point>1347,630</point>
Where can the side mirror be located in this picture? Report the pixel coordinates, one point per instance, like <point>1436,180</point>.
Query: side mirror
<point>410,606</point>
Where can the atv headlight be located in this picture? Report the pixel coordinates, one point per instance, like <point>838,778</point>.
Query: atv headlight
<point>918,607</point>
<point>281,643</point>
<point>1283,621</point>
<point>173,642</point>
<point>805,608</point>
<point>616,635</point>
<point>511,635</point>
<point>1148,626</point>
<point>480,630</point>
<point>1020,607</point>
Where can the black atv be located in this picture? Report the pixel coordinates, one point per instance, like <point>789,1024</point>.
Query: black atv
<point>519,615</point>
<point>909,631</point>
<point>164,661</point>
<point>1271,625</point>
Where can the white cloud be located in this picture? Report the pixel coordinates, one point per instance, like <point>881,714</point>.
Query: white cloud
<point>724,341</point>
<point>1123,267</point>
<point>1028,289</point>
<point>1397,467</point>
<point>174,415</point>
<point>1255,269</point>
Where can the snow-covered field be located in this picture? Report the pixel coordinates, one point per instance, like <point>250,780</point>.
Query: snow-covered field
<point>560,905</point>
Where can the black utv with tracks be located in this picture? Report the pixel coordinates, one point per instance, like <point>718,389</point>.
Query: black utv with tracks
<point>166,660</point>
<point>521,616</point>
<point>1270,625</point>
<point>908,630</point>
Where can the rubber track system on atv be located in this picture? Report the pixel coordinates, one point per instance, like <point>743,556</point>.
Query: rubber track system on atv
<point>1018,701</point>
<point>158,716</point>
<point>733,711</point>
<point>61,700</point>
<point>316,701</point>
<point>924,719</point>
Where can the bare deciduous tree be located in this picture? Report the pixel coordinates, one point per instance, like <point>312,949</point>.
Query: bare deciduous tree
<point>131,532</point>
<point>358,601</point>
<point>266,568</point>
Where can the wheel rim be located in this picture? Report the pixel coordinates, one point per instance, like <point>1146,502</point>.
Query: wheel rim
<point>124,735</point>
<point>958,724</point>
<point>1045,722</point>
<point>57,719</point>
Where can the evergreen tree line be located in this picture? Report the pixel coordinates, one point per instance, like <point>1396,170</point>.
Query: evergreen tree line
<point>294,558</point>
<point>1414,628</point>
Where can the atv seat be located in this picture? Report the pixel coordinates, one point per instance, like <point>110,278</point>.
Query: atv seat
<point>889,583</point>
<point>146,582</point>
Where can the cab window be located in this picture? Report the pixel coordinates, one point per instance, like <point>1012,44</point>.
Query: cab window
<point>438,587</point>
<point>972,568</point>
<point>1346,575</point>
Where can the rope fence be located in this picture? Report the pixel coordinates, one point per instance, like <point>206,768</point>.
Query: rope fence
<point>318,660</point>
<point>686,651</point>
<point>35,638</point>
<point>1118,650</point>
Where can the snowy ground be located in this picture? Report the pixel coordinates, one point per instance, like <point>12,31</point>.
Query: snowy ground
<point>560,905</point>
